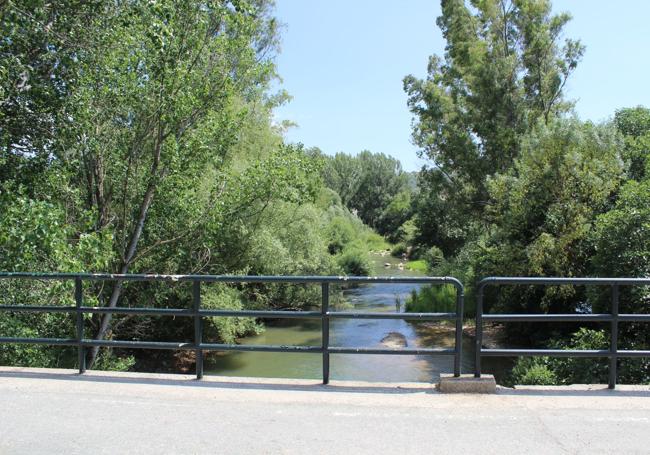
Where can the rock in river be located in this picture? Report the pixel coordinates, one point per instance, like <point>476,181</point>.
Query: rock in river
<point>394,340</point>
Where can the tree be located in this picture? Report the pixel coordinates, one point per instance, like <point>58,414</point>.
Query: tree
<point>143,102</point>
<point>343,174</point>
<point>634,124</point>
<point>543,216</point>
<point>622,249</point>
<point>367,183</point>
<point>394,215</point>
<point>503,70</point>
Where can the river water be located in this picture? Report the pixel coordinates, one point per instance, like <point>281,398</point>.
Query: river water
<point>376,297</point>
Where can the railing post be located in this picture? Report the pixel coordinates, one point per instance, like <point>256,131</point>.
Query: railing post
<point>613,347</point>
<point>198,328</point>
<point>78,296</point>
<point>478,335</point>
<point>325,331</point>
<point>459,330</point>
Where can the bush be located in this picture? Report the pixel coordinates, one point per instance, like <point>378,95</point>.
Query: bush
<point>341,232</point>
<point>355,262</point>
<point>533,371</point>
<point>563,371</point>
<point>226,330</point>
<point>399,250</point>
<point>434,257</point>
<point>432,299</point>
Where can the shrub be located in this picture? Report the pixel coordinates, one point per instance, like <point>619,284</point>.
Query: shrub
<point>399,250</point>
<point>432,299</point>
<point>533,371</point>
<point>559,371</point>
<point>434,257</point>
<point>354,262</point>
<point>227,330</point>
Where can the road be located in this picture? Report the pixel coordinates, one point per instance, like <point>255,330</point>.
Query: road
<point>57,411</point>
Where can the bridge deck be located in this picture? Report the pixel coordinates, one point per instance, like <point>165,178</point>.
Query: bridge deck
<point>57,411</point>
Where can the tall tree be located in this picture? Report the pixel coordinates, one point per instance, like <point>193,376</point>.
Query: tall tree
<point>504,70</point>
<point>367,182</point>
<point>634,125</point>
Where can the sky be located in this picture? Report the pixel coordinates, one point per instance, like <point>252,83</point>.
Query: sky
<point>343,63</point>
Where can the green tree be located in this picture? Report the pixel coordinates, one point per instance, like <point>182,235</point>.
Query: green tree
<point>396,213</point>
<point>622,249</point>
<point>634,124</point>
<point>39,62</point>
<point>504,69</point>
<point>367,183</point>
<point>543,216</point>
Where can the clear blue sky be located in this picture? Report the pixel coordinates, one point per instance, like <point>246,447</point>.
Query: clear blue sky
<point>343,63</point>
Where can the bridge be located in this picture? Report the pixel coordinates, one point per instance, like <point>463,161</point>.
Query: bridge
<point>47,410</point>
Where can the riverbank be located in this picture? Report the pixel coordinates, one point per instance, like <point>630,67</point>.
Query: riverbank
<point>493,335</point>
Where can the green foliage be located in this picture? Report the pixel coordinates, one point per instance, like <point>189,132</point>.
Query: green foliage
<point>543,215</point>
<point>396,213</point>
<point>634,124</point>
<point>108,362</point>
<point>622,249</point>
<point>226,330</point>
<point>433,257</point>
<point>544,208</point>
<point>355,262</point>
<point>503,70</point>
<point>341,232</point>
<point>432,299</point>
<point>532,371</point>
<point>419,265</point>
<point>622,235</point>
<point>399,250</point>
<point>557,371</point>
<point>138,136</point>
<point>372,185</point>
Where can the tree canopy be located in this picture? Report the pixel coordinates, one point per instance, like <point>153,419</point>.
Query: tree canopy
<point>504,69</point>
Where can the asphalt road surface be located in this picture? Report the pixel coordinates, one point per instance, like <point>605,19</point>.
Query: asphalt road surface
<point>57,411</point>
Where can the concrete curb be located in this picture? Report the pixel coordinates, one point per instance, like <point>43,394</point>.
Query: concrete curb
<point>467,383</point>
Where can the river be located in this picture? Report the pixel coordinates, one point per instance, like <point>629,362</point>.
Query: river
<point>376,297</point>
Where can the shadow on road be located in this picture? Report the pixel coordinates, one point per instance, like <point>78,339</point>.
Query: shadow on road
<point>222,382</point>
<point>310,385</point>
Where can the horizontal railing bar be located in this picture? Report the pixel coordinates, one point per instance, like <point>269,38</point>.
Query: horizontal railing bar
<point>565,317</point>
<point>229,313</point>
<point>561,353</point>
<point>161,345</point>
<point>356,315</point>
<point>545,352</point>
<point>139,311</point>
<point>630,353</point>
<point>565,281</point>
<point>263,314</point>
<point>405,351</point>
<point>634,317</point>
<point>139,344</point>
<point>38,308</point>
<point>258,348</point>
<point>50,341</point>
<point>546,317</point>
<point>230,278</point>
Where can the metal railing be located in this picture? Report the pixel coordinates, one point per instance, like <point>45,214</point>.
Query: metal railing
<point>197,313</point>
<point>613,353</point>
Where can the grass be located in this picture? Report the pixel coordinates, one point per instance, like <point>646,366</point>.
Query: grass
<point>419,265</point>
